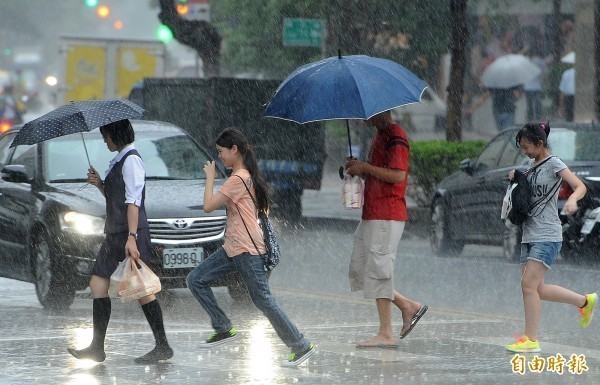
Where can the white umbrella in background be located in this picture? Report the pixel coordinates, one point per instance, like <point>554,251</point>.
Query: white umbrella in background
<point>509,71</point>
<point>568,58</point>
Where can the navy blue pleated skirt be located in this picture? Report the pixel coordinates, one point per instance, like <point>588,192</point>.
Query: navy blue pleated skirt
<point>112,251</point>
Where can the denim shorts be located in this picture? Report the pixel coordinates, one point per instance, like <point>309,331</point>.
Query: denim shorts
<point>543,252</point>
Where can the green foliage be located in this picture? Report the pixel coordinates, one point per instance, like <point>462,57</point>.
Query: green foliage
<point>413,33</point>
<point>432,161</point>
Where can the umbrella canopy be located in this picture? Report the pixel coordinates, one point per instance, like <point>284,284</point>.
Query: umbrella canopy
<point>509,71</point>
<point>76,117</point>
<point>344,87</point>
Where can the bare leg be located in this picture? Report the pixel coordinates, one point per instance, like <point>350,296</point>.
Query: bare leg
<point>385,335</point>
<point>555,293</point>
<point>408,308</point>
<point>533,275</point>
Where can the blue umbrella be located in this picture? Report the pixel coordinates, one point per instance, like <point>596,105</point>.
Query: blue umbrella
<point>344,87</point>
<point>76,117</point>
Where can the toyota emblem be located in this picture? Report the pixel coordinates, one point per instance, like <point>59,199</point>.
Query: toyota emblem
<point>180,223</point>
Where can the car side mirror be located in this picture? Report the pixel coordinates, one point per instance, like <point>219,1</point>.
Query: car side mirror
<point>467,166</point>
<point>16,173</point>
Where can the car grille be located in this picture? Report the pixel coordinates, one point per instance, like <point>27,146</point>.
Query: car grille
<point>187,230</point>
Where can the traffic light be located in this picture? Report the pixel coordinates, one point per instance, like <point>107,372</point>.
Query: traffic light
<point>118,24</point>
<point>91,3</point>
<point>103,11</point>
<point>164,34</point>
<point>183,9</point>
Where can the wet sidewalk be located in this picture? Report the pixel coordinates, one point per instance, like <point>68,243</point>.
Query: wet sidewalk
<point>446,347</point>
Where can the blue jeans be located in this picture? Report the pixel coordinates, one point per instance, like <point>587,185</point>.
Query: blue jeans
<point>251,268</point>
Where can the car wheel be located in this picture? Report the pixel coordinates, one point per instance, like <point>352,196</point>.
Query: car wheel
<point>511,243</point>
<point>439,237</point>
<point>54,289</point>
<point>237,288</point>
<point>291,207</point>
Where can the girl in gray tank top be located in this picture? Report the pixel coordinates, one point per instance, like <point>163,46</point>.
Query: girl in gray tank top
<point>542,235</point>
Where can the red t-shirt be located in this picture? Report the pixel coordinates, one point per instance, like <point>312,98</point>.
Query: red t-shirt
<point>384,200</point>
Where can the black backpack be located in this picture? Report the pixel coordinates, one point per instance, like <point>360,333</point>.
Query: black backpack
<point>520,196</point>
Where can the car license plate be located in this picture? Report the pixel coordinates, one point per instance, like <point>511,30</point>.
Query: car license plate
<point>588,226</point>
<point>182,257</point>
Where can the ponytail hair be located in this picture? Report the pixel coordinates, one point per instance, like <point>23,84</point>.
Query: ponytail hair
<point>233,136</point>
<point>534,132</point>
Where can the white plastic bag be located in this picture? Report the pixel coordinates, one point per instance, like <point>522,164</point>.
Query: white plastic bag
<point>135,283</point>
<point>352,192</point>
<point>117,278</point>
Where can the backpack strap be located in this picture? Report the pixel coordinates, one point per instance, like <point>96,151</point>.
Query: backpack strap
<point>538,165</point>
<point>243,221</point>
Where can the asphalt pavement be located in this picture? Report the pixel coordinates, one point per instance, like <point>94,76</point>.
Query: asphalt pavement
<point>460,340</point>
<point>450,345</point>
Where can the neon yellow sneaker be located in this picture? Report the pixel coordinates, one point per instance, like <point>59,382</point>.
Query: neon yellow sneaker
<point>524,345</point>
<point>587,312</point>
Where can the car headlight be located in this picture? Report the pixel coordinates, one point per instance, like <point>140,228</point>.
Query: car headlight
<point>72,221</point>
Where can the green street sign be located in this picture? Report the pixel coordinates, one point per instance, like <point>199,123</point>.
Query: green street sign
<point>303,32</point>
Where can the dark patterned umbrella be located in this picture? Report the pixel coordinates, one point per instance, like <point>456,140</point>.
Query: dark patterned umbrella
<point>76,117</point>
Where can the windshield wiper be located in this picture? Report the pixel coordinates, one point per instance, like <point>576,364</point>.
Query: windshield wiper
<point>164,178</point>
<point>75,180</point>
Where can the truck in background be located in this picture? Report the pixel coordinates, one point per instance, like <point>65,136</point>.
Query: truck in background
<point>98,68</point>
<point>291,156</point>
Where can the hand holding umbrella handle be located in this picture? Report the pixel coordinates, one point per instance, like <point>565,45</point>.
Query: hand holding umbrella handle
<point>93,178</point>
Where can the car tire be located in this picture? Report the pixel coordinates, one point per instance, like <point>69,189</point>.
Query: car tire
<point>291,207</point>
<point>439,236</point>
<point>238,289</point>
<point>511,243</point>
<point>54,288</point>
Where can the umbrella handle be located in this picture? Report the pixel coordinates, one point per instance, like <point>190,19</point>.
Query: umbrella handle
<point>86,151</point>
<point>349,140</point>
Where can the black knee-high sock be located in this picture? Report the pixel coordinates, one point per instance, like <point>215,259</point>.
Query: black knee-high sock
<point>153,314</point>
<point>101,316</point>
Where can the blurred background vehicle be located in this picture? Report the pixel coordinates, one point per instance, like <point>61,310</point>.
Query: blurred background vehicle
<point>466,205</point>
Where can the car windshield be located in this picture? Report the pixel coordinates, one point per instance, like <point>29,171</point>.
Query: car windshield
<point>575,145</point>
<point>166,156</point>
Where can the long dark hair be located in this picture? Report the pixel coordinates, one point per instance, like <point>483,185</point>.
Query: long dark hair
<point>534,132</point>
<point>232,136</point>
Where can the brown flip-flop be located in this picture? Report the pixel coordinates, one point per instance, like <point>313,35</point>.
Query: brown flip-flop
<point>414,320</point>
<point>378,346</point>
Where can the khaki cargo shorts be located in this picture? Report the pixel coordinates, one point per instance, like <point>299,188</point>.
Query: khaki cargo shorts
<point>373,256</point>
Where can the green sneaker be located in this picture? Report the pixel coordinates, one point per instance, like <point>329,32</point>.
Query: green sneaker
<point>295,359</point>
<point>587,312</point>
<point>219,338</point>
<point>524,345</point>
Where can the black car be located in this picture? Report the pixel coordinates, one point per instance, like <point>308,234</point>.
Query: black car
<point>466,205</point>
<point>52,221</point>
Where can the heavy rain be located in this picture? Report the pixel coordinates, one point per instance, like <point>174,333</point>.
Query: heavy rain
<point>362,200</point>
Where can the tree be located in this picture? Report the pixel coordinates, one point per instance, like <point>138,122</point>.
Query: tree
<point>197,34</point>
<point>458,44</point>
<point>411,33</point>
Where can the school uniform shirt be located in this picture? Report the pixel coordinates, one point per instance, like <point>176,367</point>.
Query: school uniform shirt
<point>134,174</point>
<point>237,240</point>
<point>543,223</point>
<point>384,200</point>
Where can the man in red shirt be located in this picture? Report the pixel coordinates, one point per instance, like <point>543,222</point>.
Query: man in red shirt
<point>380,229</point>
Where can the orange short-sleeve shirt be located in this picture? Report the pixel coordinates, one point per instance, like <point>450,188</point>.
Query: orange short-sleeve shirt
<point>237,240</point>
